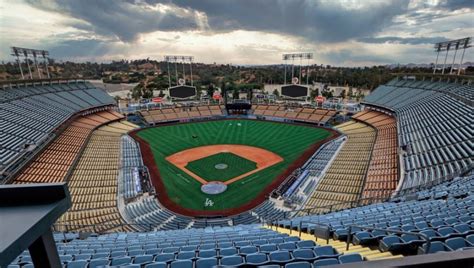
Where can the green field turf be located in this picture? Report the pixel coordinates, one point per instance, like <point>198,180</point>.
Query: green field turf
<point>236,165</point>
<point>288,141</point>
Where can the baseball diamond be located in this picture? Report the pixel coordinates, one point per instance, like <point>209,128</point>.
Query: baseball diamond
<point>258,155</point>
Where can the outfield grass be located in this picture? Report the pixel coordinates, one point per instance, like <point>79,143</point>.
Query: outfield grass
<point>288,141</point>
<point>236,165</point>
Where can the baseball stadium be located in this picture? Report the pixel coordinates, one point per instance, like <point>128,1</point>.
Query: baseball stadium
<point>203,176</point>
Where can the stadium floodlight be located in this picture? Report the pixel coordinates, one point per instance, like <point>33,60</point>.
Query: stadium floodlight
<point>181,59</point>
<point>455,45</point>
<point>25,52</point>
<point>295,56</point>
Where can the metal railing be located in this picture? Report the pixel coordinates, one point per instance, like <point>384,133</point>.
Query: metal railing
<point>99,228</point>
<point>318,210</point>
<point>370,228</point>
<point>300,228</point>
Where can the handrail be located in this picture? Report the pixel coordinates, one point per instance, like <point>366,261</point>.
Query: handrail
<point>370,228</point>
<point>74,227</point>
<point>300,227</point>
<point>355,203</point>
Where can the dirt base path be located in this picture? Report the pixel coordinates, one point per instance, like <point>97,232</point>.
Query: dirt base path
<point>263,158</point>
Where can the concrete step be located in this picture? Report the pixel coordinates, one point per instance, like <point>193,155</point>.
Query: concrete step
<point>369,253</point>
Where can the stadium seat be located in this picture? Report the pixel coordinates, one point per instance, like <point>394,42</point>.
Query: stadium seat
<point>77,264</point>
<point>349,258</point>
<point>299,264</point>
<point>326,252</point>
<point>232,260</point>
<point>206,262</point>
<point>280,257</point>
<point>305,254</point>
<point>182,264</point>
<point>143,259</point>
<point>256,259</point>
<point>325,262</point>
<point>97,262</point>
<point>436,246</point>
<point>458,243</point>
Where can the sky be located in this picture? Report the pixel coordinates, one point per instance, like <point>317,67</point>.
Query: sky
<point>338,32</point>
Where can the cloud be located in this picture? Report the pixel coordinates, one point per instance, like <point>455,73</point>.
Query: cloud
<point>317,20</point>
<point>124,19</point>
<point>403,40</point>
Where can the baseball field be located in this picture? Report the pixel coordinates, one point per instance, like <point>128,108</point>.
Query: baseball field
<point>248,156</point>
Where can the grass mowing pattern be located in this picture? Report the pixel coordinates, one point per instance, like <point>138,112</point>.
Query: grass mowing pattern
<point>236,165</point>
<point>288,141</point>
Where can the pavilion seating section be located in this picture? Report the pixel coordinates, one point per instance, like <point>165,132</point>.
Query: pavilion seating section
<point>382,176</point>
<point>312,115</point>
<point>182,113</point>
<point>344,180</point>
<point>227,246</point>
<point>29,114</point>
<point>93,182</point>
<point>444,213</point>
<point>434,129</point>
<point>131,160</point>
<point>54,162</point>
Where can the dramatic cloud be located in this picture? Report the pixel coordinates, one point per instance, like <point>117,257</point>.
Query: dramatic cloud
<point>339,32</point>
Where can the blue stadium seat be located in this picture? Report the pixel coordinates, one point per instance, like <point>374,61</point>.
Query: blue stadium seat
<point>458,243</point>
<point>121,261</point>
<point>227,251</point>
<point>326,252</point>
<point>304,254</point>
<point>325,262</point>
<point>182,264</point>
<point>299,264</point>
<point>306,244</point>
<point>351,257</point>
<point>206,262</point>
<point>98,262</point>
<point>436,246</point>
<point>280,257</point>
<point>77,264</point>
<point>256,259</point>
<point>142,259</point>
<point>156,265</point>
<point>232,260</point>
<point>248,250</point>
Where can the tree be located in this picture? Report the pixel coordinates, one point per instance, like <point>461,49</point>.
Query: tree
<point>343,94</point>
<point>235,94</point>
<point>276,93</point>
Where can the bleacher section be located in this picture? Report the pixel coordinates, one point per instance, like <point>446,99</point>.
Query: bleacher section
<point>53,164</point>
<point>29,114</point>
<point>382,176</point>
<point>318,116</point>
<point>230,246</point>
<point>344,180</point>
<point>182,113</point>
<point>444,214</point>
<point>435,128</point>
<point>93,182</point>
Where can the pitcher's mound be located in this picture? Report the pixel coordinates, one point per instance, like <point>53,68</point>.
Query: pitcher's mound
<point>221,166</point>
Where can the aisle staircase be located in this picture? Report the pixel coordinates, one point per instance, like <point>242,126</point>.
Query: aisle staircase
<point>369,253</point>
